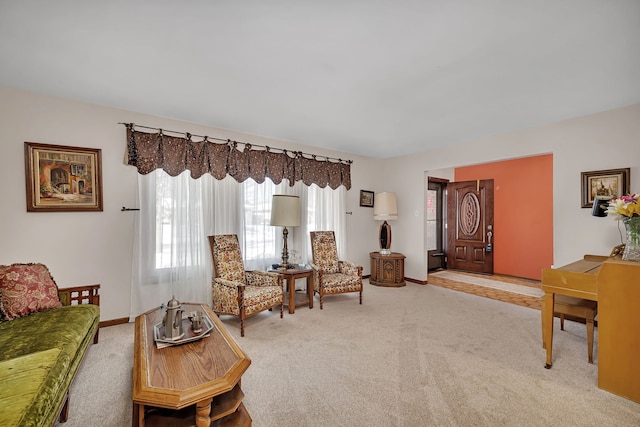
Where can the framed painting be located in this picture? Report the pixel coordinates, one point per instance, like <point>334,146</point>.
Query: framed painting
<point>62,179</point>
<point>366,198</point>
<point>605,184</point>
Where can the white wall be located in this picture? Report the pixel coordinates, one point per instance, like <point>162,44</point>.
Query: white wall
<point>607,140</point>
<point>96,247</point>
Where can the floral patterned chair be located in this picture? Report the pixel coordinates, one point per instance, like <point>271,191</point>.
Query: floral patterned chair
<point>330,275</point>
<point>236,291</point>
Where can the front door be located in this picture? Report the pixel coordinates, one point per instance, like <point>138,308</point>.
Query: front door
<point>470,226</point>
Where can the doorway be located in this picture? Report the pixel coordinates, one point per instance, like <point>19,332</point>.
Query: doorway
<point>523,212</point>
<point>435,224</point>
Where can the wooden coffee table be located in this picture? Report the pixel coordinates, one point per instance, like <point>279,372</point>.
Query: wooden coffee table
<point>193,383</point>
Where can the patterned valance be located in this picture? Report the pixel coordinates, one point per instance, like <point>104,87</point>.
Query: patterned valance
<point>150,151</point>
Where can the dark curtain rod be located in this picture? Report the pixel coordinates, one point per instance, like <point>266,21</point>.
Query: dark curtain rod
<point>206,138</point>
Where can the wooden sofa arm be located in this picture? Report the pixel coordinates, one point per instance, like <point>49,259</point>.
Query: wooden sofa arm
<point>80,295</point>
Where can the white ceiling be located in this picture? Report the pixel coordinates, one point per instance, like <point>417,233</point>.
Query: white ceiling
<point>369,77</point>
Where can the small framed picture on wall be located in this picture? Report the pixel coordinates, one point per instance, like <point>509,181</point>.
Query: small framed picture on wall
<point>366,198</point>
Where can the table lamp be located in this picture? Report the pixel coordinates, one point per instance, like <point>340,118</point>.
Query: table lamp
<point>285,212</point>
<point>385,207</point>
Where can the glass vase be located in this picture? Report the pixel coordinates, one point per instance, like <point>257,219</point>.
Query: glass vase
<point>632,246</point>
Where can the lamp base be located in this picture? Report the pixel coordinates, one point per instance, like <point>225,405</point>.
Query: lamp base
<point>385,238</point>
<point>285,250</point>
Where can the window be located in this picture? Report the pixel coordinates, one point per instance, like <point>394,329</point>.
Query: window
<point>171,251</point>
<point>259,240</point>
<point>184,205</point>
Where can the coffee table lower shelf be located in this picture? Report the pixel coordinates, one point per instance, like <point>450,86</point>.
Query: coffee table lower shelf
<point>227,410</point>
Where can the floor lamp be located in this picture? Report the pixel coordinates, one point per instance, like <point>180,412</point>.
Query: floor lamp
<point>285,212</point>
<point>385,207</point>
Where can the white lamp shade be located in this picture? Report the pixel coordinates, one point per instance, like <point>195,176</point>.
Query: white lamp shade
<point>285,210</point>
<point>385,206</point>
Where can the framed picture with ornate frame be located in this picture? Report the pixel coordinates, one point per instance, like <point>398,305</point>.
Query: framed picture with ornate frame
<point>605,184</point>
<point>62,179</point>
<point>366,198</point>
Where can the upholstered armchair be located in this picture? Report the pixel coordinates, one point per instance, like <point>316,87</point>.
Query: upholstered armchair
<point>236,291</point>
<point>330,275</point>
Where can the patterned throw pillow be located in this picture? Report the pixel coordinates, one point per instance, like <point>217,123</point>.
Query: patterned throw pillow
<point>26,289</point>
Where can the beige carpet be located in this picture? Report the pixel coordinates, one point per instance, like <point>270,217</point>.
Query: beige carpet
<point>412,356</point>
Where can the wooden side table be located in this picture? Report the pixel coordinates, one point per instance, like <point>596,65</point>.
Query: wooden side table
<point>297,299</point>
<point>387,270</point>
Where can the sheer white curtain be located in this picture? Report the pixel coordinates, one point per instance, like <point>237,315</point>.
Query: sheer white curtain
<point>326,211</point>
<point>170,256</point>
<point>322,209</point>
<point>258,239</point>
<point>171,250</point>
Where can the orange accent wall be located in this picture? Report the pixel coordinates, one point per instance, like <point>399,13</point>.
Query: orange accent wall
<point>523,213</point>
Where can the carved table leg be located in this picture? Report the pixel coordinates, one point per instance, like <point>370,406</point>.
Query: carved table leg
<point>203,410</point>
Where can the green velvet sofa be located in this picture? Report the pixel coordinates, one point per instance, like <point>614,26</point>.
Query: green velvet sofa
<point>42,344</point>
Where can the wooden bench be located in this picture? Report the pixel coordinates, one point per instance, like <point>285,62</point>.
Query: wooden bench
<point>581,309</point>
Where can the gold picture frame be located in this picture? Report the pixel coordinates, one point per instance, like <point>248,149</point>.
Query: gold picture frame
<point>605,184</point>
<point>62,179</point>
<point>366,198</point>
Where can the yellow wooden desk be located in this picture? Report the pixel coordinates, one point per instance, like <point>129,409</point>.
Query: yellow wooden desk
<point>578,279</point>
<point>619,328</point>
<point>615,284</point>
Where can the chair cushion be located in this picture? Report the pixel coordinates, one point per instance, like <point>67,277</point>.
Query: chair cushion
<point>26,289</point>
<point>325,252</point>
<point>227,258</point>
<point>259,298</point>
<point>337,283</point>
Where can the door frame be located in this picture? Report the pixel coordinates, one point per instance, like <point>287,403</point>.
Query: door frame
<point>441,241</point>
